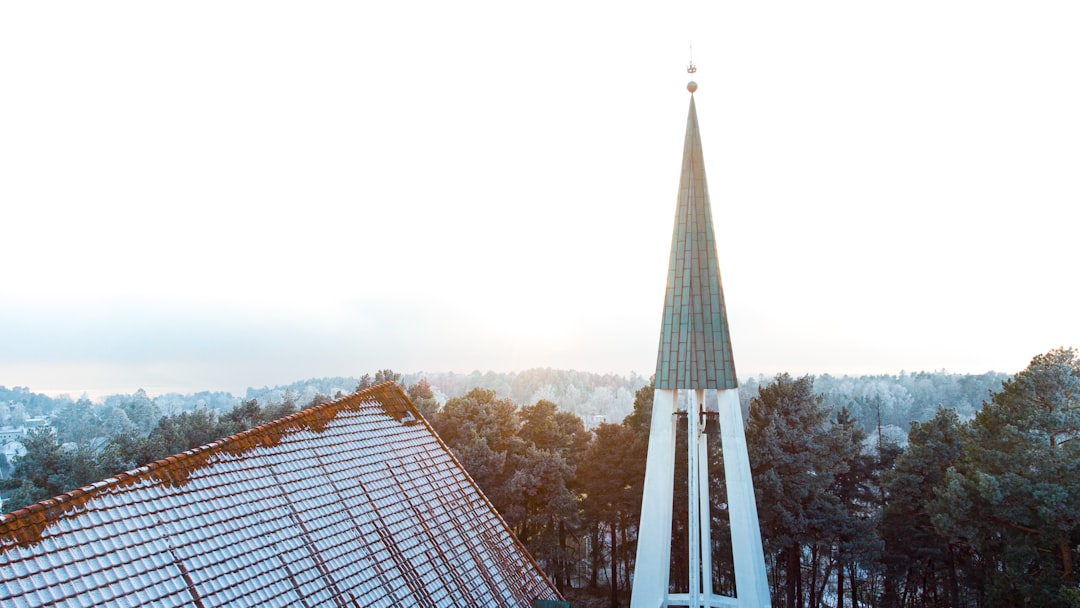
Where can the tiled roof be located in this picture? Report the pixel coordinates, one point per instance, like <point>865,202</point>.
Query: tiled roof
<point>695,345</point>
<point>351,503</point>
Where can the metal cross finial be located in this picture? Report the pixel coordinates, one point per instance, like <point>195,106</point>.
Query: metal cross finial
<point>690,69</point>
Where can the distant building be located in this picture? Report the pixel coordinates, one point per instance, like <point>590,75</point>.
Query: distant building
<point>595,420</point>
<point>20,431</point>
<point>12,433</point>
<point>12,439</point>
<point>351,503</point>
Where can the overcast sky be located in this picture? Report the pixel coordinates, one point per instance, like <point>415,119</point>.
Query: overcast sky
<point>216,195</point>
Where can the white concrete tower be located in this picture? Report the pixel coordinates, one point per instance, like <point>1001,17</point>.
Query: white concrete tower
<point>695,357</point>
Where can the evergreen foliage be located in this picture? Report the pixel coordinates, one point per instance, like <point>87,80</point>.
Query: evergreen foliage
<point>1011,499</point>
<point>919,562</point>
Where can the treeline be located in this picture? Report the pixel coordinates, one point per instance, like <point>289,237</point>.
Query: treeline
<point>890,402</point>
<point>586,394</point>
<point>20,403</point>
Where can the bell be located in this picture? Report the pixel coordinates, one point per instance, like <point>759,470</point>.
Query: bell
<point>682,419</point>
<point>712,423</point>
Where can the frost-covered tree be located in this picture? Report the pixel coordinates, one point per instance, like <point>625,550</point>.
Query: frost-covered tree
<point>1012,498</point>
<point>920,562</point>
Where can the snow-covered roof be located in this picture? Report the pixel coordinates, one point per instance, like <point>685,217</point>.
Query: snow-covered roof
<point>355,502</point>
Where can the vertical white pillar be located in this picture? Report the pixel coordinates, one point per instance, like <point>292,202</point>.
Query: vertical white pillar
<point>704,512</point>
<point>751,581</point>
<point>693,521</point>
<point>653,563</point>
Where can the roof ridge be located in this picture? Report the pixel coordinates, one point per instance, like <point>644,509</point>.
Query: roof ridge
<point>174,469</point>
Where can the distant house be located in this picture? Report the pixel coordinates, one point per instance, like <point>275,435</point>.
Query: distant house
<point>12,433</point>
<point>12,439</point>
<point>19,432</point>
<point>595,420</point>
<point>355,502</point>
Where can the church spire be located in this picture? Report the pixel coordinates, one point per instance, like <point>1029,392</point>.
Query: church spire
<point>695,359</point>
<point>695,345</point>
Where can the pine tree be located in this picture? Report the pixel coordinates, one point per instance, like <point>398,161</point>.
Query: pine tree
<point>788,445</point>
<point>920,562</point>
<point>1013,495</point>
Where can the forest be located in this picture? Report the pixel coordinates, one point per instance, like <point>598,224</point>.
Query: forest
<point>910,490</point>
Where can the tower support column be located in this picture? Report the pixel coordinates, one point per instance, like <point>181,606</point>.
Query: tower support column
<point>751,580</point>
<point>693,506</point>
<point>653,565</point>
<point>704,507</point>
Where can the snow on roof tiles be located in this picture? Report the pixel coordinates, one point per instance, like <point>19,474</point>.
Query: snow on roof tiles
<point>350,503</point>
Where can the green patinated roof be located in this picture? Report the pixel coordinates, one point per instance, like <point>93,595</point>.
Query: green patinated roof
<point>695,345</point>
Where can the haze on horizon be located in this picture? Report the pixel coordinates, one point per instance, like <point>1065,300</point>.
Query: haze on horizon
<point>211,197</point>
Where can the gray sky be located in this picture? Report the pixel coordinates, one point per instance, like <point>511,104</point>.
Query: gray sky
<point>215,195</point>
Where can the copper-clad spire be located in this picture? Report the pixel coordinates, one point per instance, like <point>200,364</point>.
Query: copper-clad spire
<point>695,344</point>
